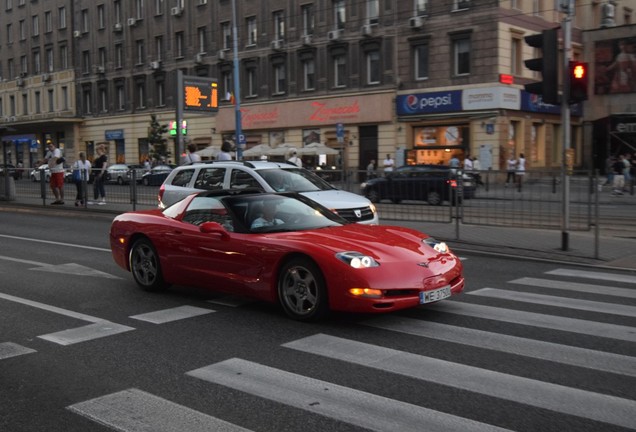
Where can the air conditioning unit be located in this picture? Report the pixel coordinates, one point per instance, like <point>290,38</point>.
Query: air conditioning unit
<point>154,65</point>
<point>99,69</point>
<point>117,27</point>
<point>176,11</point>
<point>131,22</point>
<point>198,58</point>
<point>307,39</point>
<point>77,34</point>
<point>416,22</point>
<point>277,44</point>
<point>46,77</point>
<point>221,54</point>
<point>366,30</point>
<point>202,2</point>
<point>334,35</point>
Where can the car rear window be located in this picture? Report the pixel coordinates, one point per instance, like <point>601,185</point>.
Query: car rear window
<point>182,178</point>
<point>210,178</point>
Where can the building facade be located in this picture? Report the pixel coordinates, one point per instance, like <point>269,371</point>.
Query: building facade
<point>417,79</point>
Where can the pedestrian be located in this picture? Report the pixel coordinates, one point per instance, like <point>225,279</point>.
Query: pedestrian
<point>619,178</point>
<point>147,165</point>
<point>371,169</point>
<point>225,153</point>
<point>191,156</point>
<point>55,161</point>
<point>388,164</point>
<point>99,167</point>
<point>477,171</point>
<point>468,165</point>
<point>609,170</point>
<point>81,172</point>
<point>511,169</point>
<point>453,163</point>
<point>627,171</point>
<point>521,169</point>
<point>20,168</point>
<point>295,159</point>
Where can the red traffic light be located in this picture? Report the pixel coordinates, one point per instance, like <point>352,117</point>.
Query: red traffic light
<point>578,82</point>
<point>578,72</point>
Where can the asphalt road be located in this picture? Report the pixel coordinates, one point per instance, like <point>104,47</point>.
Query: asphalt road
<point>530,346</point>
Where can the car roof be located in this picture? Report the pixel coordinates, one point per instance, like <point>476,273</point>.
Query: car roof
<point>257,165</point>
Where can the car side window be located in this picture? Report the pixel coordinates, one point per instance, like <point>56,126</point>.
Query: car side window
<point>183,177</point>
<point>207,209</point>
<point>210,178</point>
<point>242,180</point>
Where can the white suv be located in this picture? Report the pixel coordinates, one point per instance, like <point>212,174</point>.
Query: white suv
<point>266,176</point>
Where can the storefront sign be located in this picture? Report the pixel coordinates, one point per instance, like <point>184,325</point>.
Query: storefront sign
<point>114,134</point>
<point>491,98</point>
<point>428,103</point>
<point>534,103</point>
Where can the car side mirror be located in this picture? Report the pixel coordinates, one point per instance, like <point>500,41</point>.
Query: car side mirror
<point>214,228</point>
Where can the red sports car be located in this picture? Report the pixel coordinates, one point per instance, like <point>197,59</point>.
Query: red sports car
<point>284,248</point>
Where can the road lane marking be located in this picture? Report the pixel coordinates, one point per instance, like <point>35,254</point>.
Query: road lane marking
<point>67,269</point>
<point>575,286</point>
<point>553,397</point>
<point>551,300</point>
<point>99,327</point>
<point>134,410</point>
<point>173,314</point>
<point>56,243</point>
<point>591,328</point>
<point>10,349</point>
<point>594,275</point>
<point>348,405</point>
<point>565,354</point>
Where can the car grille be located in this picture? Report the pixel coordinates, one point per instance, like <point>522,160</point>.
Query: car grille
<point>351,214</point>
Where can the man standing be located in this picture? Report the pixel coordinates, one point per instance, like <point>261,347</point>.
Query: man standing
<point>388,164</point>
<point>55,161</point>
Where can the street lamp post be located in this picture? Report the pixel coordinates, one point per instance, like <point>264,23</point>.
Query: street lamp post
<point>237,89</point>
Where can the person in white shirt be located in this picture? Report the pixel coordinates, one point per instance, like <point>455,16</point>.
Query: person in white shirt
<point>268,217</point>
<point>512,165</point>
<point>224,154</point>
<point>55,162</point>
<point>388,164</point>
<point>191,157</point>
<point>295,159</point>
<point>81,173</point>
<point>521,169</point>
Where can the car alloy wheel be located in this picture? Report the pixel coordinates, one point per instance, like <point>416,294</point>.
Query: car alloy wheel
<point>434,198</point>
<point>145,266</point>
<point>301,290</point>
<point>120,181</point>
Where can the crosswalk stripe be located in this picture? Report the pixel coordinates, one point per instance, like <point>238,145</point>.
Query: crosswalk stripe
<point>575,286</point>
<point>565,354</point>
<point>134,410</point>
<point>352,406</point>
<point>591,328</point>
<point>85,333</point>
<point>173,314</point>
<point>563,302</point>
<point>584,274</point>
<point>10,349</point>
<point>554,397</point>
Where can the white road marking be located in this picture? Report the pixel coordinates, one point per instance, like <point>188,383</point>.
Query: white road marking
<point>573,325</point>
<point>563,302</point>
<point>56,243</point>
<point>594,275</point>
<point>575,286</point>
<point>553,397</point>
<point>10,349</point>
<point>68,269</point>
<point>173,314</point>
<point>348,405</point>
<point>565,354</point>
<point>134,410</point>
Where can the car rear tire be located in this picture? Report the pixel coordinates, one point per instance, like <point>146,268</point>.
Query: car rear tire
<point>146,182</point>
<point>434,198</point>
<point>301,290</point>
<point>145,266</point>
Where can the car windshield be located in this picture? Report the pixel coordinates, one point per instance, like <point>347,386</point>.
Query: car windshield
<point>294,180</point>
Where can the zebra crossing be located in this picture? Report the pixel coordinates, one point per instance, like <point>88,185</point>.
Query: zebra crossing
<point>133,410</point>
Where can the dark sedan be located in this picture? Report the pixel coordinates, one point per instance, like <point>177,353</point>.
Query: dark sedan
<point>431,183</point>
<point>156,175</point>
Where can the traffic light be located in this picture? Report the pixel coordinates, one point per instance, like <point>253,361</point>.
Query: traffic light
<point>548,42</point>
<point>578,81</point>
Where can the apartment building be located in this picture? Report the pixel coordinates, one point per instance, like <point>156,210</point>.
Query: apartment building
<point>417,79</point>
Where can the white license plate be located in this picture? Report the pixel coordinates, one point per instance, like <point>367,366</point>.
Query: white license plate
<point>435,295</point>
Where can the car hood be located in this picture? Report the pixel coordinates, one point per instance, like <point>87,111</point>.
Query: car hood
<point>337,199</point>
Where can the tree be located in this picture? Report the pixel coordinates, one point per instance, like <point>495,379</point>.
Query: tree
<point>158,145</point>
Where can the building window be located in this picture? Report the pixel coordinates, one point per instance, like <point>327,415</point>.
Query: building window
<point>461,4</point>
<point>251,31</point>
<point>86,62</point>
<point>515,56</point>
<point>179,44</point>
<point>536,7</point>
<point>25,104</point>
<point>141,95</point>
<point>119,56</point>
<point>421,61</point>
<point>61,17</point>
<point>340,71</point>
<point>37,65</point>
<point>51,100</point>
<point>101,52</point>
<point>280,79</point>
<point>159,7</point>
<point>373,67</point>
<point>201,39</point>
<point>117,10</point>
<point>9,5</point>
<point>340,17</point>
<point>24,65</point>
<point>63,57</point>
<point>226,80</point>
<point>22,29</point>
<point>35,24</point>
<point>461,56</point>
<point>10,68</point>
<point>139,9</point>
<point>103,100</point>
<point>226,34</point>
<point>251,82</point>
<point>121,98</point>
<point>309,74</point>
<point>48,22</point>
<point>159,48</point>
<point>65,104</point>
<point>161,94</point>
<point>9,33</point>
<point>307,12</point>
<point>279,25</point>
<point>49,59</point>
<point>141,52</point>
<point>421,7</point>
<point>87,101</point>
<point>12,108</point>
<point>38,108</point>
<point>85,22</point>
<point>373,11</point>
<point>101,22</point>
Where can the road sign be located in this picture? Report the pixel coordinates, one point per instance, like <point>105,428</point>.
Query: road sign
<point>340,132</point>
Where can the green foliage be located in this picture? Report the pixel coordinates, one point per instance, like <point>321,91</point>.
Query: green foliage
<point>157,144</point>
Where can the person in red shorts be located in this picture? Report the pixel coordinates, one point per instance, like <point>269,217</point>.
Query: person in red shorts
<point>55,162</point>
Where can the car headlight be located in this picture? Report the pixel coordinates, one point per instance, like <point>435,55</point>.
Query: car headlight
<point>363,185</point>
<point>439,246</point>
<point>357,259</point>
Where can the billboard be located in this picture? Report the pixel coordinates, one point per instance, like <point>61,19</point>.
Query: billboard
<point>615,66</point>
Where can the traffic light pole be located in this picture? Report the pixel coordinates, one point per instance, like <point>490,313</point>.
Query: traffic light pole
<point>567,7</point>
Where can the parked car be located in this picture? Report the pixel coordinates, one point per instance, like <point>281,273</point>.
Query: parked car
<point>156,175</point>
<point>118,173</point>
<point>309,259</point>
<point>12,171</point>
<point>268,177</point>
<point>431,183</point>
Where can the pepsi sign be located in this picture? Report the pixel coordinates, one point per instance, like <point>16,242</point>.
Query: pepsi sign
<point>429,103</point>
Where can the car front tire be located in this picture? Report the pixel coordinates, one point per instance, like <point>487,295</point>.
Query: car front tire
<point>301,290</point>
<point>120,181</point>
<point>373,196</point>
<point>146,182</point>
<point>434,198</point>
<point>145,266</point>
